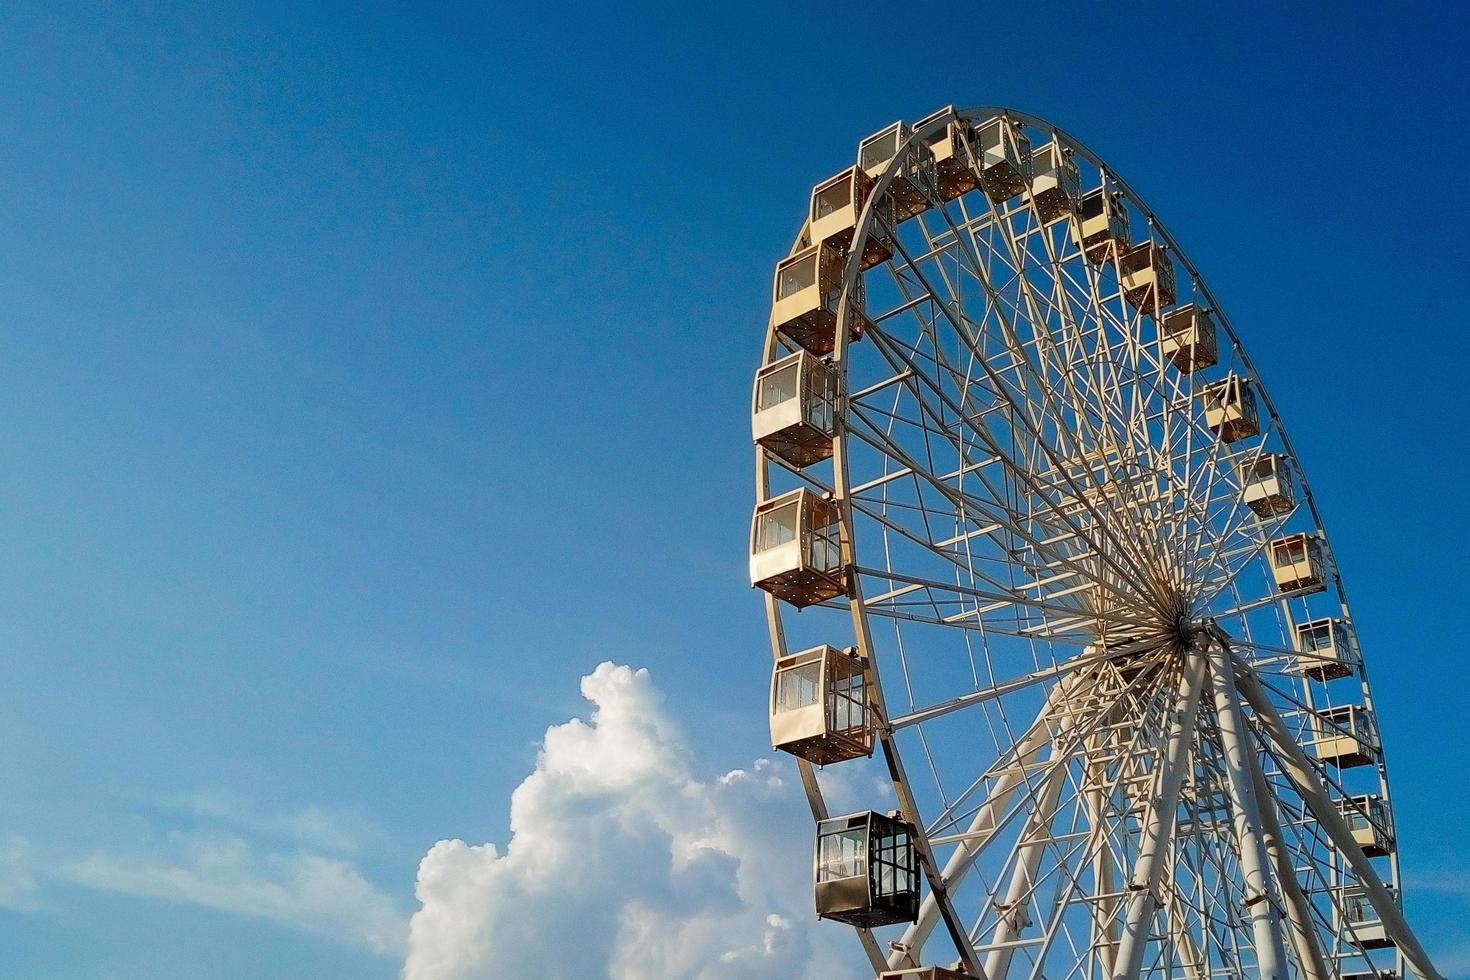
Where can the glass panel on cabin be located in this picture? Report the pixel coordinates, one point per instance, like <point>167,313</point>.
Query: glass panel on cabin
<point>834,196</point>
<point>879,149</point>
<point>778,386</point>
<point>841,854</point>
<point>797,275</point>
<point>825,551</point>
<point>1316,637</point>
<point>777,527</point>
<point>847,701</point>
<point>798,687</point>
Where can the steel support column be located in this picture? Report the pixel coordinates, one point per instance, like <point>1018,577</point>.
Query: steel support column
<point>1163,810</point>
<point>1309,785</point>
<point>1304,939</point>
<point>1260,901</point>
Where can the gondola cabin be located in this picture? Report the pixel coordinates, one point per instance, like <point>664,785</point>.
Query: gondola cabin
<point>1004,154</point>
<point>1188,338</point>
<point>1357,921</point>
<point>923,973</point>
<point>1329,647</point>
<point>1346,736</point>
<point>1055,183</point>
<point>795,552</point>
<point>1230,409</point>
<point>1296,564</point>
<point>955,171</point>
<point>1148,277</point>
<point>795,399</point>
<point>1371,822</point>
<point>1101,228</point>
<point>807,293</point>
<point>1268,487</point>
<point>820,710</point>
<point>914,173</point>
<point>837,206</point>
<point>867,870</point>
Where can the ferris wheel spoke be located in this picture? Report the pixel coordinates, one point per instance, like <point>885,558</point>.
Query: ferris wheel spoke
<point>994,447</point>
<point>1034,376</point>
<point>1025,410</point>
<point>1018,472</point>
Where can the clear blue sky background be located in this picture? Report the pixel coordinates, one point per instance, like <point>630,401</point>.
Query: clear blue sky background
<point>370,374</point>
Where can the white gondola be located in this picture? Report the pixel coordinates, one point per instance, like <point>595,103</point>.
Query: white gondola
<point>1357,921</point>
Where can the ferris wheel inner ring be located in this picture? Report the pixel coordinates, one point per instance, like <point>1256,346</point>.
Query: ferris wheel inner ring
<point>1142,593</point>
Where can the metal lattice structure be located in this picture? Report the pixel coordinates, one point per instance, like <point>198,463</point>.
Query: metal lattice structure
<point>1058,566</point>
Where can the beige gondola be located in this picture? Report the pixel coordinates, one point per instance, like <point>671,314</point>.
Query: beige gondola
<point>1371,822</point>
<point>1332,648</point>
<point>1296,564</point>
<point>1148,277</point>
<point>795,553</point>
<point>794,403</point>
<point>837,205</point>
<point>806,294</point>
<point>914,173</point>
<point>1188,338</point>
<point>1346,736</point>
<point>1004,154</point>
<point>820,709</point>
<point>1101,227</point>
<point>1268,485</point>
<point>1055,182</point>
<point>952,147</point>
<point>1230,409</point>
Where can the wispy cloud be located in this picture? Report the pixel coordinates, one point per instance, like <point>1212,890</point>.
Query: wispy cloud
<point>302,891</point>
<point>313,826</point>
<point>18,886</point>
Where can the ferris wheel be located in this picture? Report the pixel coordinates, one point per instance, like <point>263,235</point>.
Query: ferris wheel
<point>1031,531</point>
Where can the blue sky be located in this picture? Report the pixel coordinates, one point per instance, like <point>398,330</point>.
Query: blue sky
<point>371,374</point>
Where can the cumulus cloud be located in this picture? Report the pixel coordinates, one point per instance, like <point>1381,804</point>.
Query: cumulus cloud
<point>623,863</point>
<point>300,890</point>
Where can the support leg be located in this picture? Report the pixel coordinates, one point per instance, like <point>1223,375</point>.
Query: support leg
<point>1159,829</point>
<point>1309,786</point>
<point>1260,900</point>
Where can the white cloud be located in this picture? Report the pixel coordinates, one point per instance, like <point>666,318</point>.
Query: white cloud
<point>302,891</point>
<point>314,826</point>
<point>622,863</point>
